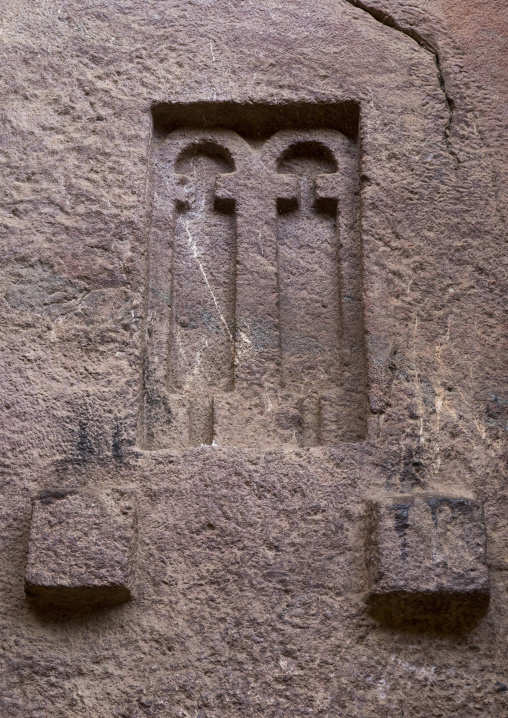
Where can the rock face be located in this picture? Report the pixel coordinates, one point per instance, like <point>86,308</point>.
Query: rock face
<point>254,397</point>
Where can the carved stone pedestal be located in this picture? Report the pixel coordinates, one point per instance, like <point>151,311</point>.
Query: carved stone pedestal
<point>81,549</point>
<point>426,562</point>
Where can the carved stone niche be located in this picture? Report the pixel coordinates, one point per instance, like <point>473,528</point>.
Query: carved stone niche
<point>81,549</point>
<point>426,562</point>
<point>254,327</point>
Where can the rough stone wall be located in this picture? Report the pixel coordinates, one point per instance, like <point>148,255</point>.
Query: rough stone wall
<point>289,548</point>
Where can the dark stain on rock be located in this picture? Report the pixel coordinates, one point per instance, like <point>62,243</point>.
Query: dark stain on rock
<point>84,445</point>
<point>49,496</point>
<point>401,519</point>
<point>116,445</point>
<point>412,468</point>
<point>456,506</point>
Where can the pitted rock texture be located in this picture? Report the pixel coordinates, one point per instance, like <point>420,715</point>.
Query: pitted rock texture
<point>254,329</point>
<point>82,550</point>
<point>250,587</point>
<point>426,561</point>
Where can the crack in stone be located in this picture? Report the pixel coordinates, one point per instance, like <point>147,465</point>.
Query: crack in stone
<point>386,19</point>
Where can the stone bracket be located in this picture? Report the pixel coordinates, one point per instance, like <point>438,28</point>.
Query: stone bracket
<point>426,562</point>
<point>81,549</point>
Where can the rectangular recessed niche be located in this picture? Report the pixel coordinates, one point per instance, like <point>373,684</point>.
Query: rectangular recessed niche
<point>254,325</point>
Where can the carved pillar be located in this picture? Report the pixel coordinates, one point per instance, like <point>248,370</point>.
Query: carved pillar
<point>257,303</point>
<point>256,410</point>
<point>320,284</point>
<point>191,299</point>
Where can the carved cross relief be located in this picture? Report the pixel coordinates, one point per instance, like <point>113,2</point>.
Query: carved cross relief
<point>254,319</point>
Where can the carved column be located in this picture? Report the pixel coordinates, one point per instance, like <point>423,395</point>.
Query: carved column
<point>191,299</point>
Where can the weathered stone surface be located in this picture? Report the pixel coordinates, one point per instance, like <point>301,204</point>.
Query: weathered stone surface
<point>81,551</point>
<point>254,332</point>
<point>250,584</point>
<point>427,561</point>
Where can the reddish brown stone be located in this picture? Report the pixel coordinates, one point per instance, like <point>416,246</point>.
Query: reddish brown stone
<point>426,559</point>
<point>254,333</point>
<point>371,360</point>
<point>81,549</point>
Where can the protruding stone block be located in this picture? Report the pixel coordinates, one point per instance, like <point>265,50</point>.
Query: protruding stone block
<point>81,549</point>
<point>426,559</point>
